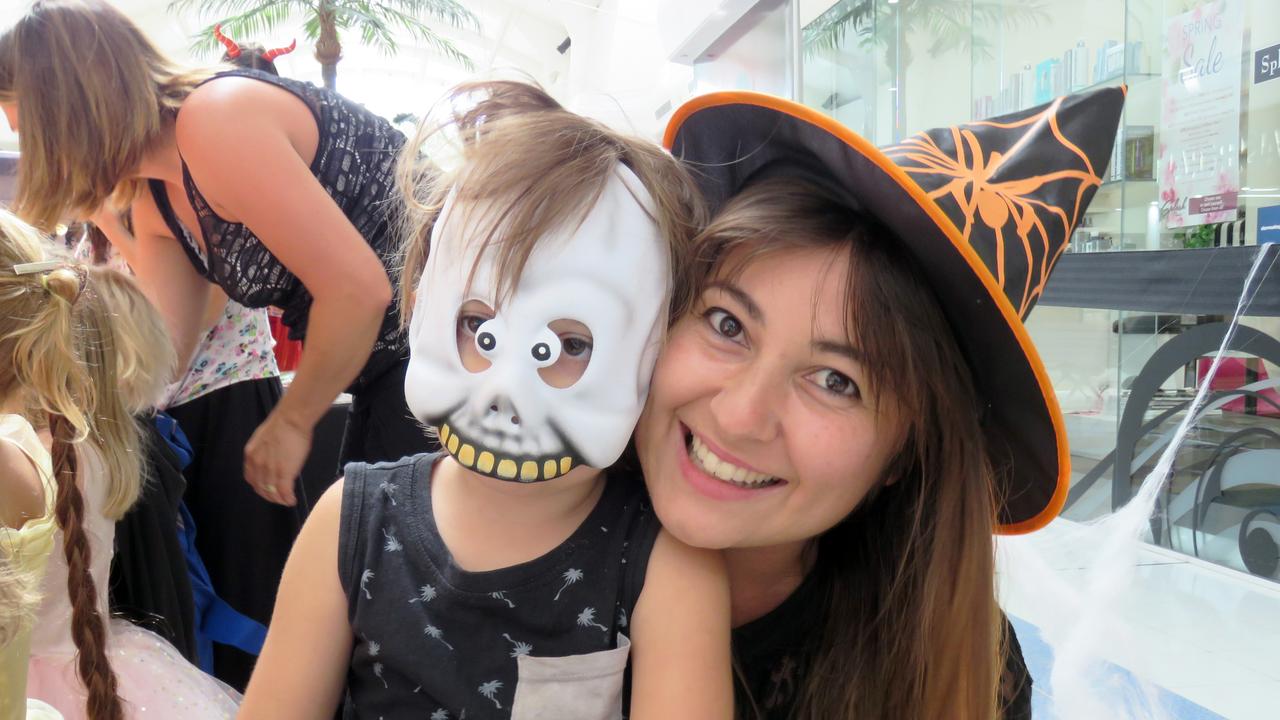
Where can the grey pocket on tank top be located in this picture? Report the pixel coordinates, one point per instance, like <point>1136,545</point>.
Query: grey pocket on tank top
<point>575,687</point>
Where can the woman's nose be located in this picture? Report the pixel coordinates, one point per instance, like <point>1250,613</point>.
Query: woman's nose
<point>745,407</point>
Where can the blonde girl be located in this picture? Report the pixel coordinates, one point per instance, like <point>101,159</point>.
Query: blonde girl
<point>42,380</point>
<point>128,357</point>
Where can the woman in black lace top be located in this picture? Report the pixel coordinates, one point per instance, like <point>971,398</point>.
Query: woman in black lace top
<point>276,191</point>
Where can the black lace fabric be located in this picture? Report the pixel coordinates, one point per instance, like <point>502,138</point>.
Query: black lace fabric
<point>355,163</point>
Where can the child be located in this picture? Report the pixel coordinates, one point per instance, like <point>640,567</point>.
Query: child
<point>124,347</point>
<point>39,378</point>
<point>508,576</point>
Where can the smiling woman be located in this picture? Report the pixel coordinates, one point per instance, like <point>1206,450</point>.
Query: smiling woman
<point>850,408</point>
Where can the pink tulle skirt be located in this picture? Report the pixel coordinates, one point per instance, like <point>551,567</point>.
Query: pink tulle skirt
<point>154,680</point>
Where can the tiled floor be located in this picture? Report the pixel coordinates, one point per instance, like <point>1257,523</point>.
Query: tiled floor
<point>1207,638</point>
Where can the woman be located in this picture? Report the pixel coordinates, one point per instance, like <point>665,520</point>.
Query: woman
<point>272,189</point>
<point>852,406</point>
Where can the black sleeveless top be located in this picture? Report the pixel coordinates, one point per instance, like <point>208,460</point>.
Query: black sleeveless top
<point>772,654</point>
<point>531,640</point>
<point>355,163</point>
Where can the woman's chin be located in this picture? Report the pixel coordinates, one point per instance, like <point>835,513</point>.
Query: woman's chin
<point>692,522</point>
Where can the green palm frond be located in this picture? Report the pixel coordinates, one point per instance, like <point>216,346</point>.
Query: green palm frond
<point>236,17</point>
<point>450,12</point>
<point>950,23</point>
<point>376,21</point>
<point>239,19</point>
<point>827,31</point>
<point>425,34</point>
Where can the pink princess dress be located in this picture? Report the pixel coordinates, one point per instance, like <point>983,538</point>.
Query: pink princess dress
<point>154,680</point>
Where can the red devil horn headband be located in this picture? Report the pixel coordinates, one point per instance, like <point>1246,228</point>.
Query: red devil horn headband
<point>277,52</point>
<point>233,50</point>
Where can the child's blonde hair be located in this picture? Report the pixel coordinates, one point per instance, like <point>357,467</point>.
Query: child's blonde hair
<point>39,363</point>
<point>130,360</point>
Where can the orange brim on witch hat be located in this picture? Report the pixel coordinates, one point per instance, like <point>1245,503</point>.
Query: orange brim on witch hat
<point>986,208</point>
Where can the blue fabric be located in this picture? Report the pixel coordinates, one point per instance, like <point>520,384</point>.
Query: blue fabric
<point>1119,682</point>
<point>215,620</point>
<point>175,438</point>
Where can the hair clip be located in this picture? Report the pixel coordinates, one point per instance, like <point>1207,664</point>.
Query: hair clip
<point>36,267</point>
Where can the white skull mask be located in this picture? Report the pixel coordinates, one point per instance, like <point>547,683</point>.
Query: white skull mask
<point>609,273</point>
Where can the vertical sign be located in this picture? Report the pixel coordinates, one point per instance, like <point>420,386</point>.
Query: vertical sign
<point>1200,115</point>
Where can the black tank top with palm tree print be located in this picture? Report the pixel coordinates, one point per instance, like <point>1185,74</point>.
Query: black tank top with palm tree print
<point>355,163</point>
<point>545,638</point>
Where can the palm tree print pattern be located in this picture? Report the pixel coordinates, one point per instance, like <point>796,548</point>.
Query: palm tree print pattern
<point>501,595</point>
<point>518,648</point>
<point>426,594</point>
<point>440,714</point>
<point>389,489</point>
<point>393,545</point>
<point>365,577</point>
<point>490,691</point>
<point>377,672</point>
<point>587,618</point>
<point>434,633</point>
<point>571,576</point>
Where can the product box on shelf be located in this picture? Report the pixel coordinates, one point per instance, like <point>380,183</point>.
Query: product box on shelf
<point>1139,152</point>
<point>1075,65</point>
<point>1048,83</point>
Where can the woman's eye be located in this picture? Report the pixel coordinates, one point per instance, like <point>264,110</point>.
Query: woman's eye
<point>836,383</point>
<point>575,346</point>
<point>723,323</point>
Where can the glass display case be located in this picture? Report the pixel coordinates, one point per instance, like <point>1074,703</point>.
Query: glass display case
<point>1157,265</point>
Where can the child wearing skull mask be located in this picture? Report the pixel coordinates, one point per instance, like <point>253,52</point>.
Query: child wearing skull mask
<point>508,575</point>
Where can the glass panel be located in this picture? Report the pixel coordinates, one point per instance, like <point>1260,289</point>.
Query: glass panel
<point>753,55</point>
<point>1080,348</point>
<point>1122,377</point>
<point>841,64</point>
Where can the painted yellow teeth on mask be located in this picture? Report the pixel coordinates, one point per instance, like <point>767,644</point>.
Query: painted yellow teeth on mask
<point>485,462</point>
<point>712,465</point>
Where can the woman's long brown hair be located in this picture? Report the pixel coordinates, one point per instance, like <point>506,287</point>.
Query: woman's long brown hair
<point>93,93</point>
<point>907,626</point>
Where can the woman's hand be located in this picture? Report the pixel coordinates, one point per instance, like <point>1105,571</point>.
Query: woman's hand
<point>274,457</point>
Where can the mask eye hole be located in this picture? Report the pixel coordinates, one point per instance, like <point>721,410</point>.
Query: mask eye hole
<point>477,334</point>
<point>570,345</point>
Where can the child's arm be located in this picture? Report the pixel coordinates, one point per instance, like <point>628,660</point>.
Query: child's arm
<point>303,665</point>
<point>680,656</point>
<point>21,494</point>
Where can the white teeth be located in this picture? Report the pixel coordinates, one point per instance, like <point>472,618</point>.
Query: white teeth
<point>724,470</point>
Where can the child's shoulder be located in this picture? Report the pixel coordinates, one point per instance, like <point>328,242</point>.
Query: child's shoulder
<point>362,472</point>
<point>22,458</point>
<point>366,482</point>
